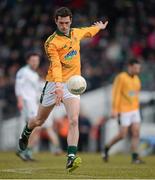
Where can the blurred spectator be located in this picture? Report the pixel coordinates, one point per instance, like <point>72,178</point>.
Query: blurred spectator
<point>84,132</point>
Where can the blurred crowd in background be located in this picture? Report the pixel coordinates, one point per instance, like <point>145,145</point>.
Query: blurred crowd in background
<point>26,24</point>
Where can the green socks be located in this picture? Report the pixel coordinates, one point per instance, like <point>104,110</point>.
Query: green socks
<point>134,156</point>
<point>26,131</point>
<point>72,150</point>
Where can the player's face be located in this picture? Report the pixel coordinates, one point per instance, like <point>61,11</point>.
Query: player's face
<point>33,62</point>
<point>63,24</point>
<point>135,69</point>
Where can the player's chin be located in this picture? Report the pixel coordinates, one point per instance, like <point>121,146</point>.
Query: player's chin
<point>65,31</point>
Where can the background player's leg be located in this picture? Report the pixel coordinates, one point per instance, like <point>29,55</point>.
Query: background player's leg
<point>54,140</point>
<point>135,132</point>
<point>121,135</point>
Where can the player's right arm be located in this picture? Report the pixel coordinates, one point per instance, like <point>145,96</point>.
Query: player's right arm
<point>19,84</point>
<point>116,95</point>
<point>53,57</point>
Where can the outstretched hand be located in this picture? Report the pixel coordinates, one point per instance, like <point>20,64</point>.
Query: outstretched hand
<point>58,93</point>
<point>59,96</point>
<point>101,25</point>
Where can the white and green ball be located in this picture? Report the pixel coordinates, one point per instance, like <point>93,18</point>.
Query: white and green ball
<point>76,84</point>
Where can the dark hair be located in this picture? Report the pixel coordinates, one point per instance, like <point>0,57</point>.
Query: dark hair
<point>63,12</point>
<point>133,61</point>
<point>29,54</point>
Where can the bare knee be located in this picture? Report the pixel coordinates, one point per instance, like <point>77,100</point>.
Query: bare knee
<point>135,134</point>
<point>123,132</point>
<point>123,135</point>
<point>74,121</point>
<point>36,122</point>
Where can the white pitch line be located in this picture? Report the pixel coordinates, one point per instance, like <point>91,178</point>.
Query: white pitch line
<point>22,170</point>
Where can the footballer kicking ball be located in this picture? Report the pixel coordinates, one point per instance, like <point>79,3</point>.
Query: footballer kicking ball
<point>76,84</point>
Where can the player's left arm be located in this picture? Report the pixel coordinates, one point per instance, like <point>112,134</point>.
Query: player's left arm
<point>100,24</point>
<point>93,30</point>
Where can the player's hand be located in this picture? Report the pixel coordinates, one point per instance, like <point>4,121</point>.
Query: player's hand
<point>114,114</point>
<point>101,25</point>
<point>58,93</point>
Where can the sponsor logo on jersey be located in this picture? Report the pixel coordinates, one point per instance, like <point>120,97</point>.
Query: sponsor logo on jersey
<point>133,93</point>
<point>70,55</point>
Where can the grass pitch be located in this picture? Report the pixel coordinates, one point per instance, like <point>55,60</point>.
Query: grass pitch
<point>49,166</point>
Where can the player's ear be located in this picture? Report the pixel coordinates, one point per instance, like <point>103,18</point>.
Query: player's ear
<point>71,20</point>
<point>55,20</point>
